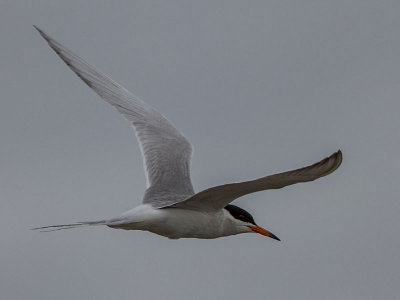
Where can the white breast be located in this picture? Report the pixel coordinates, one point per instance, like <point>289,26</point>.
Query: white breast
<point>175,223</point>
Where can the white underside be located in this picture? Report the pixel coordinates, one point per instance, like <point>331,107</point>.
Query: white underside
<point>176,223</point>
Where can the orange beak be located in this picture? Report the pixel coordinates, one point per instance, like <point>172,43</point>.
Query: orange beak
<point>263,231</point>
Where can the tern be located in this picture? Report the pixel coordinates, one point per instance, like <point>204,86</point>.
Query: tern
<point>170,207</point>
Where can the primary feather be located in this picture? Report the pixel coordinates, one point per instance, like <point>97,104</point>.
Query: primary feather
<point>166,152</point>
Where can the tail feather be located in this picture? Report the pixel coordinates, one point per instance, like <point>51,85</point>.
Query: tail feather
<point>69,226</point>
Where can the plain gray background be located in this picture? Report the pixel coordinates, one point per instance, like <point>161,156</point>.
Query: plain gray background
<point>258,87</point>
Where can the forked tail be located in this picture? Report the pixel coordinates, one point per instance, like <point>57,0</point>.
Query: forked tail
<point>69,226</point>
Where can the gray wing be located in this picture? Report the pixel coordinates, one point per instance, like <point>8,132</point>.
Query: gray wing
<point>166,152</point>
<point>218,197</point>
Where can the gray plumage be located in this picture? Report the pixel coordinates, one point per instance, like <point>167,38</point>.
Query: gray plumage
<point>167,153</point>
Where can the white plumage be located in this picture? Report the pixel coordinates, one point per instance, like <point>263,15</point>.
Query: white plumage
<point>170,206</point>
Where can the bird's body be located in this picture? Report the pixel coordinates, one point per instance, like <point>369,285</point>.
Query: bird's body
<point>192,223</point>
<point>170,206</point>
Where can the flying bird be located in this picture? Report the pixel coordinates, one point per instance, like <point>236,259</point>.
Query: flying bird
<point>170,206</point>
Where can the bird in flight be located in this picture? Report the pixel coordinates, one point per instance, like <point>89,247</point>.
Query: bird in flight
<point>170,206</point>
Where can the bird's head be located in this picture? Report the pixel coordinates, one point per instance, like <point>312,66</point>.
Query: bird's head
<point>244,222</point>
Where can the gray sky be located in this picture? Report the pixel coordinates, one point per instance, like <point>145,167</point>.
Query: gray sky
<point>258,87</point>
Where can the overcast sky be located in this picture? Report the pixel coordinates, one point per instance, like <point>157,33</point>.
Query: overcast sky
<point>258,87</point>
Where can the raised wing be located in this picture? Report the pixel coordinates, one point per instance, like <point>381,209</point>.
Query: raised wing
<point>218,197</point>
<point>166,152</point>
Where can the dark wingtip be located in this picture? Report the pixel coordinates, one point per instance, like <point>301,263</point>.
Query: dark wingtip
<point>335,159</point>
<point>37,28</point>
<point>41,32</point>
<point>339,157</point>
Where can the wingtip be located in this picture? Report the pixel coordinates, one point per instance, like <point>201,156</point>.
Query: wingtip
<point>331,163</point>
<point>338,158</point>
<point>37,28</point>
<point>42,33</point>
<point>339,154</point>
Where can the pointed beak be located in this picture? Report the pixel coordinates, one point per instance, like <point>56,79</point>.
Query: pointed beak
<point>263,231</point>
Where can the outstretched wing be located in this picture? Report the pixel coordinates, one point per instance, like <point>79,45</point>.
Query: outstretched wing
<point>220,196</point>
<point>166,152</point>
